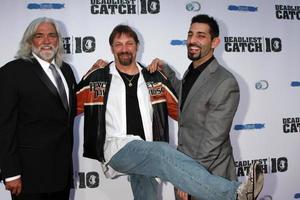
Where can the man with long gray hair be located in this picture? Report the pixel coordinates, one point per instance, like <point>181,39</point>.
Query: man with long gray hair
<point>36,119</point>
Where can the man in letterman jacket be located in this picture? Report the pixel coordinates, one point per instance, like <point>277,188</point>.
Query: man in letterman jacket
<point>102,97</point>
<point>125,121</point>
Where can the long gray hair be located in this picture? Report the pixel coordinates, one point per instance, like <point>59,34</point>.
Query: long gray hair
<point>25,50</point>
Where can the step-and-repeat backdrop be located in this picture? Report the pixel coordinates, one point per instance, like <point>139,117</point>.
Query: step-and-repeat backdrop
<point>260,46</point>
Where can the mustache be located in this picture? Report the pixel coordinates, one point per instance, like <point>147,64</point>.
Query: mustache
<point>46,46</point>
<point>124,53</point>
<point>194,45</point>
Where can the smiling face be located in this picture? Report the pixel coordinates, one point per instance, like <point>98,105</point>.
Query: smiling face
<point>200,45</point>
<point>124,49</point>
<point>45,41</point>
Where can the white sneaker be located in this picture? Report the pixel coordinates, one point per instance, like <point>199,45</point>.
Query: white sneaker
<point>253,185</point>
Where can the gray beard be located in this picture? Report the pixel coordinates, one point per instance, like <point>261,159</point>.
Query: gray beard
<point>45,56</point>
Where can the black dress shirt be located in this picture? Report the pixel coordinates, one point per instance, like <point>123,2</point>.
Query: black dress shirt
<point>191,77</point>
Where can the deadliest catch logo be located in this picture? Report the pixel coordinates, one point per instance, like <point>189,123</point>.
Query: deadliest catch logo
<point>123,7</point>
<point>98,88</point>
<point>45,6</point>
<point>242,8</point>
<point>295,83</point>
<point>86,180</point>
<point>252,44</point>
<point>291,125</point>
<point>76,45</point>
<point>268,165</point>
<point>287,12</point>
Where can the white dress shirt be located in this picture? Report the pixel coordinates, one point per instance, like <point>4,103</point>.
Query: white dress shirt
<point>45,65</point>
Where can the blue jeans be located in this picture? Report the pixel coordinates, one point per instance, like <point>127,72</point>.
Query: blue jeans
<point>143,187</point>
<point>159,159</point>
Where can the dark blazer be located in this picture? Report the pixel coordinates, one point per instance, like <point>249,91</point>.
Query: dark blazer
<point>206,118</point>
<point>36,131</point>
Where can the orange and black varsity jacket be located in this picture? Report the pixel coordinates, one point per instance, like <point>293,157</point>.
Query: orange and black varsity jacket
<point>92,93</point>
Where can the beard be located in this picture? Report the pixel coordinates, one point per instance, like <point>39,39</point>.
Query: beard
<point>46,55</point>
<point>125,58</point>
<point>194,56</point>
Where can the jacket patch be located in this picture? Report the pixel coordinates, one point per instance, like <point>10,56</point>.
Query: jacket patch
<point>98,88</point>
<point>156,92</point>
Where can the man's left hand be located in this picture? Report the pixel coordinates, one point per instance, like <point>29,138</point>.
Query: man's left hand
<point>155,65</point>
<point>14,186</point>
<point>99,64</point>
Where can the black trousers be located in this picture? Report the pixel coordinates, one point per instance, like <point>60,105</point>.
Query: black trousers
<point>60,195</point>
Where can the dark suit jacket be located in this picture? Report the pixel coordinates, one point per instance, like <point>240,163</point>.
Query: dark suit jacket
<point>36,131</point>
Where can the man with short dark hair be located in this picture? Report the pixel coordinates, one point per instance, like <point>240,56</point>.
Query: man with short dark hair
<point>208,99</point>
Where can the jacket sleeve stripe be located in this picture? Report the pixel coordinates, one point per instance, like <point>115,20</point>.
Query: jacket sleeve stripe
<point>172,103</point>
<point>87,97</point>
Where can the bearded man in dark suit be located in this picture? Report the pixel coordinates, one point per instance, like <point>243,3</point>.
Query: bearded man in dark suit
<point>36,119</point>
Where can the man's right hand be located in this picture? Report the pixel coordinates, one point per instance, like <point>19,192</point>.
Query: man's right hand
<point>155,65</point>
<point>181,194</point>
<point>15,186</point>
